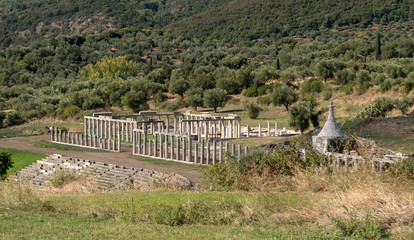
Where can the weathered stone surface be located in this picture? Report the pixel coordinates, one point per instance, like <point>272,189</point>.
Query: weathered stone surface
<point>107,176</point>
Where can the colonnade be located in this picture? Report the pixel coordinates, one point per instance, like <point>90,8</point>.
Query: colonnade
<point>184,149</point>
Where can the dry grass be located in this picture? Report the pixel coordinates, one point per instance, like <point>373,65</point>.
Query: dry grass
<point>357,194</point>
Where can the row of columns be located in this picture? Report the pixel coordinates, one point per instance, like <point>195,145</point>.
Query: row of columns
<point>82,140</point>
<point>178,148</point>
<point>212,128</point>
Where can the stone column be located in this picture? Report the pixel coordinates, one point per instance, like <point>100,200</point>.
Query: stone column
<point>196,153</point>
<point>161,146</point>
<point>145,143</point>
<point>134,143</point>
<point>239,149</point>
<point>248,131</point>
<point>139,143</point>
<point>167,129</point>
<point>246,150</point>
<point>202,152</point>
<point>190,150</point>
<point>172,146</point>
<point>93,127</point>
<point>276,130</point>
<point>150,147</point>
<point>214,152</point>
<point>268,128</point>
<point>260,130</point>
<point>184,149</point>
<point>233,149</point>
<point>239,129</point>
<point>178,148</point>
<point>166,146</point>
<point>208,153</point>
<point>233,135</point>
<point>155,138</point>
<point>221,151</point>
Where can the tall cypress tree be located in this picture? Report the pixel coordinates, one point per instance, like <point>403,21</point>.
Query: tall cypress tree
<point>378,47</point>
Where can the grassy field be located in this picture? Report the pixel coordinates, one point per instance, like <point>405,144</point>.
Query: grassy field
<point>21,158</point>
<point>171,164</point>
<point>57,146</point>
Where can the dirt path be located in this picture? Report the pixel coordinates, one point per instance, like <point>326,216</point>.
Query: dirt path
<point>124,158</point>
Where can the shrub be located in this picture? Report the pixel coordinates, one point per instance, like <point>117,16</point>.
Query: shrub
<point>13,118</point>
<point>264,100</point>
<point>327,93</point>
<point>181,102</point>
<point>260,164</point>
<point>385,86</point>
<point>63,177</point>
<point>5,163</point>
<point>159,97</point>
<point>169,215</point>
<point>403,169</point>
<point>194,97</point>
<point>253,110</point>
<point>251,91</point>
<point>70,111</point>
<point>367,228</point>
<point>384,105</point>
<point>263,89</point>
<point>408,85</point>
<point>135,100</point>
<point>3,116</point>
<point>313,85</point>
<point>403,104</point>
<point>169,106</point>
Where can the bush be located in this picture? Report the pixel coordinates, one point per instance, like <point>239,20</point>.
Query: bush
<point>5,163</point>
<point>253,110</point>
<point>403,104</point>
<point>3,116</point>
<point>385,86</point>
<point>402,169</point>
<point>159,97</point>
<point>263,89</point>
<point>181,102</point>
<point>250,92</point>
<point>264,100</point>
<point>260,164</point>
<point>13,118</point>
<point>327,93</point>
<point>169,106</point>
<point>384,105</point>
<point>70,111</point>
<point>215,98</point>
<point>367,228</point>
<point>63,177</point>
<point>169,215</point>
<point>408,85</point>
<point>313,85</point>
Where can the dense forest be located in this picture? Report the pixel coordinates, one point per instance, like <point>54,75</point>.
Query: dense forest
<point>247,47</point>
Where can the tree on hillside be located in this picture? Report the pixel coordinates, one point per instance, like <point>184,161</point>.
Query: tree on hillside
<point>5,163</point>
<point>194,97</point>
<point>178,86</point>
<point>284,95</point>
<point>378,47</point>
<point>383,105</point>
<point>325,70</point>
<point>302,114</point>
<point>403,104</point>
<point>112,67</point>
<point>215,98</point>
<point>135,100</point>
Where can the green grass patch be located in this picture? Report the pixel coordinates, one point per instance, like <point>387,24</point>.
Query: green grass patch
<point>21,159</point>
<point>57,146</point>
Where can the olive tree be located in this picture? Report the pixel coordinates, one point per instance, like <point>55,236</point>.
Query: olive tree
<point>284,95</point>
<point>215,98</point>
<point>302,114</point>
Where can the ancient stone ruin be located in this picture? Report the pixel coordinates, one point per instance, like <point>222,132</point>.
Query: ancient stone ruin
<point>107,176</point>
<point>185,137</point>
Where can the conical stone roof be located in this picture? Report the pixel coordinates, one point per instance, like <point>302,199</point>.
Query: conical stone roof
<point>331,129</point>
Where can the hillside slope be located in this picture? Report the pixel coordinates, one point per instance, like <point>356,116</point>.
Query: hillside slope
<point>24,21</point>
<point>247,19</point>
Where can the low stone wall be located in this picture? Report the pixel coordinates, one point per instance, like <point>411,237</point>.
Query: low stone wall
<point>107,176</point>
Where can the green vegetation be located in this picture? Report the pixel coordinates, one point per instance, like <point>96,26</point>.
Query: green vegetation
<point>21,159</point>
<point>5,163</point>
